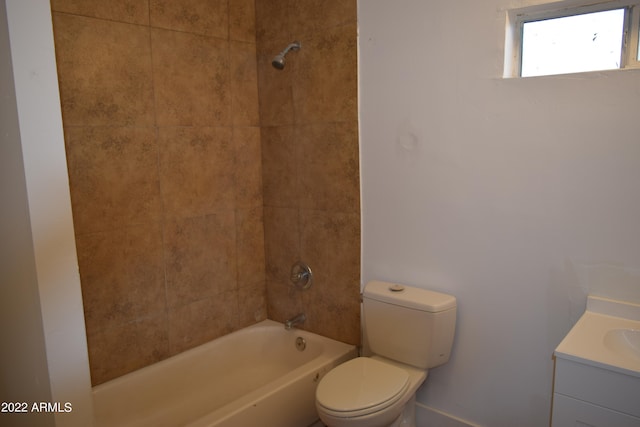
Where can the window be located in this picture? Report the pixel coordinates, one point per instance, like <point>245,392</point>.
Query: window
<point>548,39</point>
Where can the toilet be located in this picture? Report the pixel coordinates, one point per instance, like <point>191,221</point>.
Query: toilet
<point>408,331</point>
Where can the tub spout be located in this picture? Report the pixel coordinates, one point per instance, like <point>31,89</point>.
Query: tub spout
<point>289,324</point>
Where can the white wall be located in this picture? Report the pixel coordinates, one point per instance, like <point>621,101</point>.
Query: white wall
<point>23,365</point>
<point>44,353</point>
<point>518,196</point>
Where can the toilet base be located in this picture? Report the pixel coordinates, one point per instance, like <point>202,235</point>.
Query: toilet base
<point>408,416</point>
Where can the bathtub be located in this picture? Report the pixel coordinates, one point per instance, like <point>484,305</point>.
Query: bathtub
<point>253,377</point>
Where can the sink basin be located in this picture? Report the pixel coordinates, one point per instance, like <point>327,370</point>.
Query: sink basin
<point>625,342</point>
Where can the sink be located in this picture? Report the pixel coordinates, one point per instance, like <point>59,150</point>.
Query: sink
<point>597,367</point>
<point>625,342</point>
<point>607,336</point>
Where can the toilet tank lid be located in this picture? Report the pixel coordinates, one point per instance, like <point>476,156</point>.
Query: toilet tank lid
<point>409,296</point>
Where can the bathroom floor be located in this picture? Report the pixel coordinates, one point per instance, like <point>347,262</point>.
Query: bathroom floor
<point>318,424</point>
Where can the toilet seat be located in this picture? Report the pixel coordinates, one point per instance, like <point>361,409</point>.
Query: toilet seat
<point>360,387</point>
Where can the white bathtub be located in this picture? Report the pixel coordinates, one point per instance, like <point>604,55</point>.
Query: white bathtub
<point>253,377</point>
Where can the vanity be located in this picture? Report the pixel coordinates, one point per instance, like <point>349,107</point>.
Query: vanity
<point>597,368</point>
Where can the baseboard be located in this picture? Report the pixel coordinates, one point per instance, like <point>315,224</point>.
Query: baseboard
<point>430,417</point>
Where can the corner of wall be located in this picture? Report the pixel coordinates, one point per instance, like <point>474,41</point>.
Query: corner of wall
<point>50,262</point>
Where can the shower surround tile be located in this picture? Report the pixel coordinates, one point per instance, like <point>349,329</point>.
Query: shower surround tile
<point>206,17</point>
<point>244,84</point>
<point>145,341</point>
<point>200,258</point>
<point>254,169</point>
<point>122,275</point>
<point>253,304</point>
<point>284,302</point>
<point>250,245</point>
<point>113,175</point>
<point>272,20</point>
<point>132,11</point>
<point>310,157</point>
<point>242,20</point>
<point>312,16</point>
<point>282,242</point>
<point>313,166</point>
<point>328,317</point>
<point>106,67</point>
<point>197,170</point>
<point>248,167</point>
<point>337,303</point>
<point>322,232</point>
<point>326,82</point>
<point>201,321</point>
<point>328,166</point>
<point>192,82</point>
<point>276,86</point>
<point>280,166</point>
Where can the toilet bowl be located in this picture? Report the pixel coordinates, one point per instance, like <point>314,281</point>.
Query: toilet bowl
<point>409,330</point>
<point>369,392</point>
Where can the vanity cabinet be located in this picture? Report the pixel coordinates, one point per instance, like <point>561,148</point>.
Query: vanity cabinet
<point>592,396</point>
<point>597,375</point>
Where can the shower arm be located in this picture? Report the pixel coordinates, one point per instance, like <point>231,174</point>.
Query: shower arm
<point>293,46</point>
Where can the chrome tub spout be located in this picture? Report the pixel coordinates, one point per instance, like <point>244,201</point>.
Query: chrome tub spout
<point>289,324</point>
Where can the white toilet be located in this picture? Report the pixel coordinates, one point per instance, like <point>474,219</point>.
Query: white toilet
<point>408,331</point>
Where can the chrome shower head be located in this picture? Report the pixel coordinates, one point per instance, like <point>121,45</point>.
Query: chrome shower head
<point>279,60</point>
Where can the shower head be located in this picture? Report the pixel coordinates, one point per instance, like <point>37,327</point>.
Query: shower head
<point>279,60</point>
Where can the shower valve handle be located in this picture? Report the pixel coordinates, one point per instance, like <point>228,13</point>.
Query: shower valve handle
<point>301,275</point>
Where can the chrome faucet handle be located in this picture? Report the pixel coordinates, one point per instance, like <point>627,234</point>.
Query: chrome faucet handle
<point>301,275</point>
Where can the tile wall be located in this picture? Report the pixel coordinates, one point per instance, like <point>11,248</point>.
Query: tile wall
<point>160,112</point>
<point>309,127</point>
<point>193,193</point>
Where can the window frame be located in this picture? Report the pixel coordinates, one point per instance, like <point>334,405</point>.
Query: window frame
<point>516,18</point>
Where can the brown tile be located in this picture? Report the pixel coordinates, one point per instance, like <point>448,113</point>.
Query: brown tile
<point>200,258</point>
<point>322,92</point>
<point>283,301</point>
<point>330,243</point>
<point>248,167</point>
<point>314,16</point>
<point>250,246</point>
<point>329,167</point>
<point>242,20</point>
<point>121,349</point>
<point>122,275</point>
<point>201,321</point>
<point>219,247</point>
<point>253,304</point>
<point>315,246</point>
<point>343,231</point>
<point>113,174</point>
<point>197,170</point>
<point>332,319</point>
<point>282,243</point>
<point>133,11</point>
<point>244,84</point>
<point>208,17</point>
<point>272,19</point>
<point>192,79</point>
<point>104,70</point>
<point>276,89</point>
<point>280,167</point>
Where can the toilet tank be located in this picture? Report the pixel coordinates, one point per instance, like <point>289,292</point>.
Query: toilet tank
<point>409,325</point>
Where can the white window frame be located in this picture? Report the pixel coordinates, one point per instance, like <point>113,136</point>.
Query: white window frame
<point>516,18</point>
